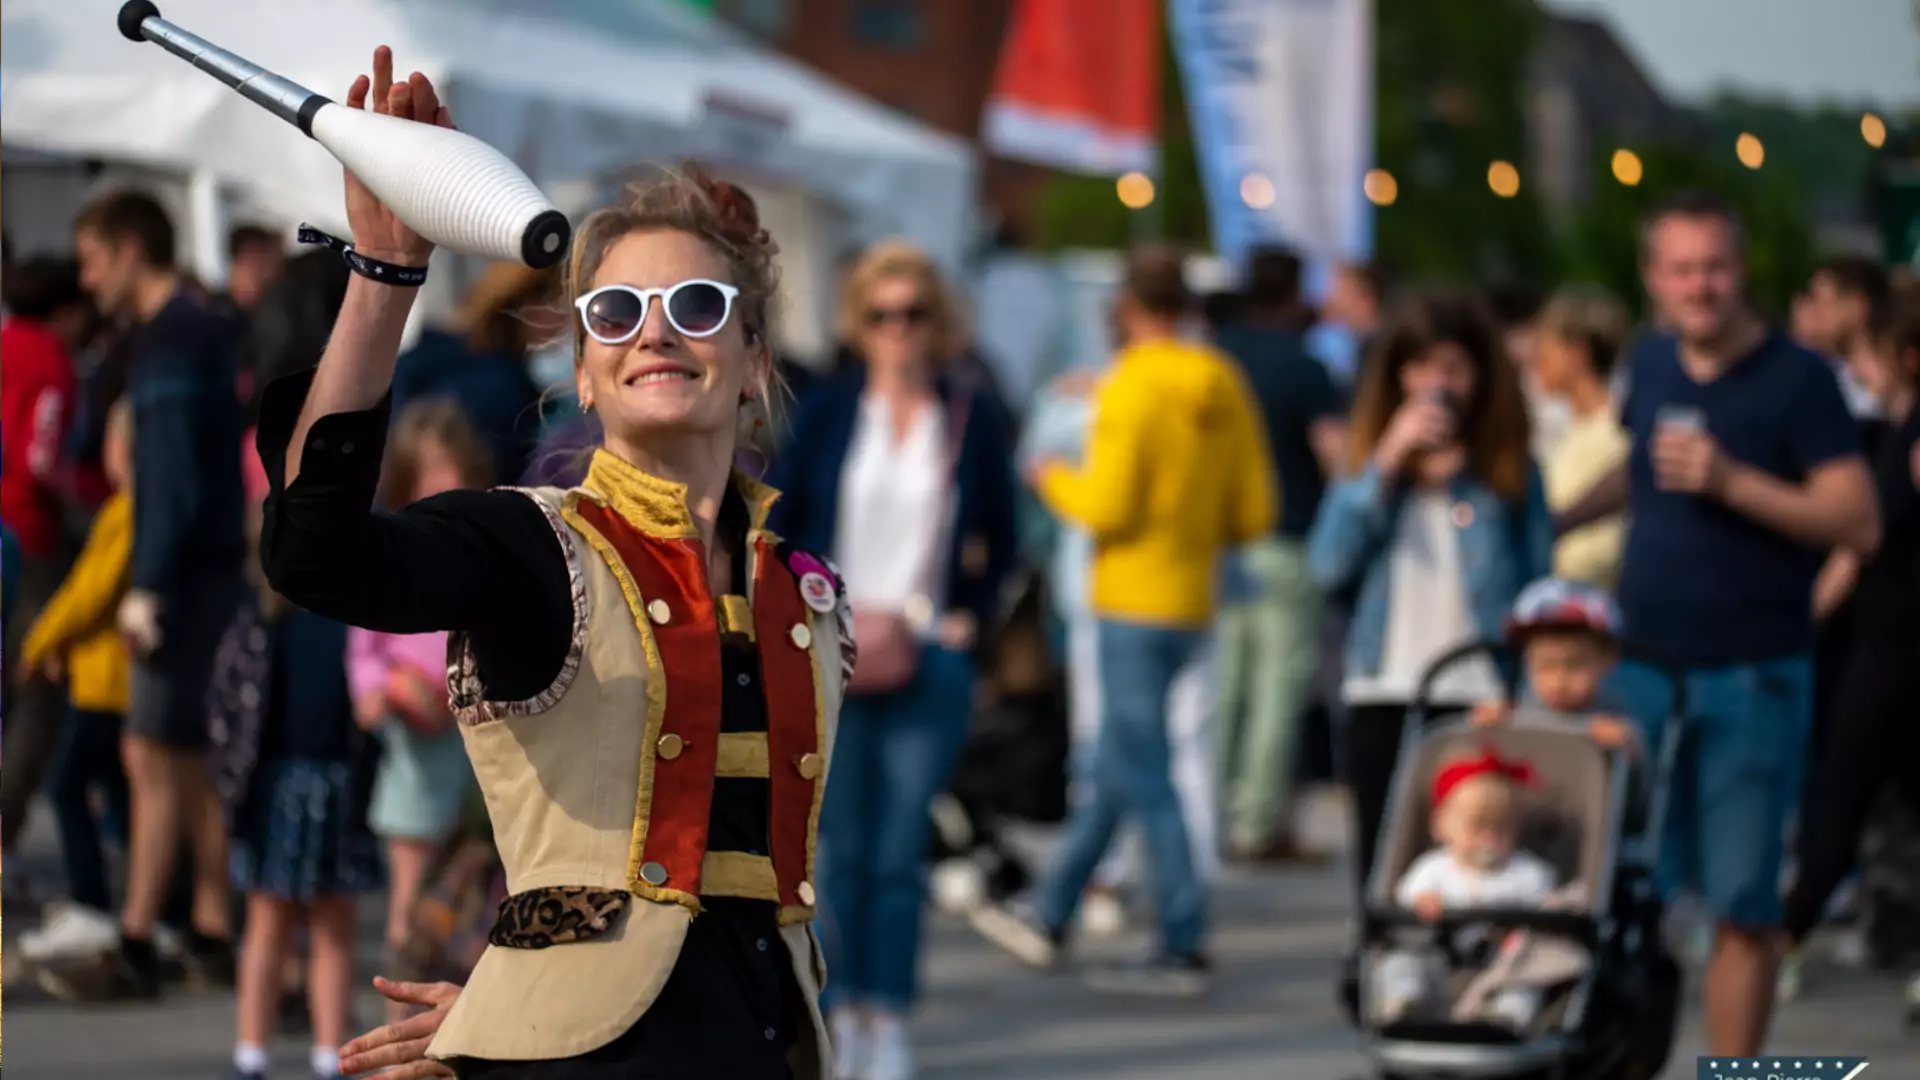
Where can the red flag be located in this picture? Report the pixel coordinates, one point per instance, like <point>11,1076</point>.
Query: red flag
<point>1079,85</point>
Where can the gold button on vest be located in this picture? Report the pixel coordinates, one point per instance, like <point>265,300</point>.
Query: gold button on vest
<point>802,637</point>
<point>670,746</point>
<point>810,766</point>
<point>659,612</point>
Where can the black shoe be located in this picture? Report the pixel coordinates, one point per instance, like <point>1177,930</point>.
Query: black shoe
<point>1154,976</point>
<point>102,978</point>
<point>1018,930</point>
<point>209,962</point>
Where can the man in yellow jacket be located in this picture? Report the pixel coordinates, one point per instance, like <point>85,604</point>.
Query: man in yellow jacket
<point>1176,473</point>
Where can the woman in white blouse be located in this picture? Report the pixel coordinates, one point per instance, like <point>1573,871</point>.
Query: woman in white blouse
<point>903,470</point>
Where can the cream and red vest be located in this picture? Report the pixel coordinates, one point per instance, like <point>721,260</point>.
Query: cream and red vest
<point>599,788</point>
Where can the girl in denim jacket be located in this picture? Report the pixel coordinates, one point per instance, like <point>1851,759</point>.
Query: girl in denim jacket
<point>1440,522</point>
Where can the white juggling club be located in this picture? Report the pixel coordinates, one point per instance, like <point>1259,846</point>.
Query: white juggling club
<point>449,187</point>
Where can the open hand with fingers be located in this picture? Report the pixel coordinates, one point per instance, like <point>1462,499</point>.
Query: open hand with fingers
<point>401,1049</point>
<point>378,232</point>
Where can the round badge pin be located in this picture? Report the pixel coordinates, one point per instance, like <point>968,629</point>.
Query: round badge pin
<point>817,591</point>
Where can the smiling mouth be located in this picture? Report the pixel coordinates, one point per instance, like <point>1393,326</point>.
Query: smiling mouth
<point>650,377</point>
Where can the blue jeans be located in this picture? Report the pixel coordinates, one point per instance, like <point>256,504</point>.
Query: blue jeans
<point>1132,772</point>
<point>1736,782</point>
<point>891,755</point>
<point>88,759</point>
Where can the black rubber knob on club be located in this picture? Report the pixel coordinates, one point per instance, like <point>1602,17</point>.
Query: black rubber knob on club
<point>545,241</point>
<point>132,14</point>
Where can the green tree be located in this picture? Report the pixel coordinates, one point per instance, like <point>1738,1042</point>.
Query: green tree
<point>1452,75</point>
<point>1601,242</point>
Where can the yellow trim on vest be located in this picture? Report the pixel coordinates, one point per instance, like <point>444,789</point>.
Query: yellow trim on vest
<point>736,873</point>
<point>656,699</point>
<point>735,615</point>
<point>743,754</point>
<point>659,507</point>
<point>804,912</point>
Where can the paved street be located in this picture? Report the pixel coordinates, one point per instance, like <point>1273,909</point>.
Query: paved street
<point>1271,1015</point>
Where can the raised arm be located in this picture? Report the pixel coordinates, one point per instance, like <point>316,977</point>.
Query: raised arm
<point>357,369</point>
<point>490,562</point>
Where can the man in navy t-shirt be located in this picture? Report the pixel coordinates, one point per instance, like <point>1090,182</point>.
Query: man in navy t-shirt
<point>1746,469</point>
<point>185,581</point>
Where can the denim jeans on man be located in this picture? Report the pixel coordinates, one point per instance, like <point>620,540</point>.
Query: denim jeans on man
<point>1133,774</point>
<point>892,754</point>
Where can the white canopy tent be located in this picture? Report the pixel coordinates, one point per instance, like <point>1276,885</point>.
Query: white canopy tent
<point>576,94</point>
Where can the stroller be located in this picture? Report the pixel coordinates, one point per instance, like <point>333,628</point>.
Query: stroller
<point>1611,990</point>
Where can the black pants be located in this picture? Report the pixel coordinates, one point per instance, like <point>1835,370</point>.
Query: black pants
<point>34,706</point>
<point>1873,742</point>
<point>88,762</point>
<point>1370,752</point>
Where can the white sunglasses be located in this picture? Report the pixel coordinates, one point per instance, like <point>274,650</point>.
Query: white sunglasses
<point>697,308</point>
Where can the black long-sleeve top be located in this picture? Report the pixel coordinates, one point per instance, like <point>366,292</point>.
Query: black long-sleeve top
<point>487,563</point>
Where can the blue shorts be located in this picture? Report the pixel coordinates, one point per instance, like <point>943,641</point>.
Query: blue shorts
<point>1736,782</point>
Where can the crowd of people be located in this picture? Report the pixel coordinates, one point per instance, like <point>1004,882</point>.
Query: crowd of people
<point>278,640</point>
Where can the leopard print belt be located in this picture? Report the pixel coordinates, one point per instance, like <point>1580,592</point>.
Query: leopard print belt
<point>556,915</point>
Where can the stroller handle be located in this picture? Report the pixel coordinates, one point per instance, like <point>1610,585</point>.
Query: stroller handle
<point>1501,653</point>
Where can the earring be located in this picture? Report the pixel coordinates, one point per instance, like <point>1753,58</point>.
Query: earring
<point>586,407</point>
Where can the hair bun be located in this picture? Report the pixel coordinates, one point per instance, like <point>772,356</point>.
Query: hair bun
<point>739,215</point>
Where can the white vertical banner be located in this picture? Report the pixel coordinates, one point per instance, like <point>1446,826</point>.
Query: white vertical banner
<point>1280,94</point>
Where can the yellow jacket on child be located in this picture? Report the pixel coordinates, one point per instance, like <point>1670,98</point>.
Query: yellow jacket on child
<point>1176,474</point>
<point>79,624</point>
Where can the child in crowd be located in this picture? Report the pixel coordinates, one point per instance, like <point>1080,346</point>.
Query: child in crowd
<point>294,773</point>
<point>1476,823</point>
<point>1568,637</point>
<point>75,637</point>
<point>399,681</point>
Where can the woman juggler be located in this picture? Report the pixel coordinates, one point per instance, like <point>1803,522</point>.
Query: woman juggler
<point>646,679</point>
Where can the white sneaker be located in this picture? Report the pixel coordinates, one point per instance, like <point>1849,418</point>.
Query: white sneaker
<point>851,1045</point>
<point>891,1052</point>
<point>1102,915</point>
<point>958,887</point>
<point>70,931</point>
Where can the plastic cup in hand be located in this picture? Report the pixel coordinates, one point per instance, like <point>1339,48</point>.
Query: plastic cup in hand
<point>1680,419</point>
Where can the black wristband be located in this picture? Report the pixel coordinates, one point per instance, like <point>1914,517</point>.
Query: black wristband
<point>385,273</point>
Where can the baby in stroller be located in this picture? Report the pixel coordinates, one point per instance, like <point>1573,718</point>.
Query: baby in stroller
<point>1476,820</point>
<point>1511,925</point>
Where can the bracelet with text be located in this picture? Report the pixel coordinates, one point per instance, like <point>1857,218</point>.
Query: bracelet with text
<point>385,273</point>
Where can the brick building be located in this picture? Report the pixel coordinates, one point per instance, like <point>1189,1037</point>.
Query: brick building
<point>931,59</point>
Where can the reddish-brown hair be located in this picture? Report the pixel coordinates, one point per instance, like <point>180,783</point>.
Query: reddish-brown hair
<point>1493,424</point>
<point>687,199</point>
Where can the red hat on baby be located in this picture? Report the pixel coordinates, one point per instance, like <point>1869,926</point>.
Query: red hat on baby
<point>1487,764</point>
